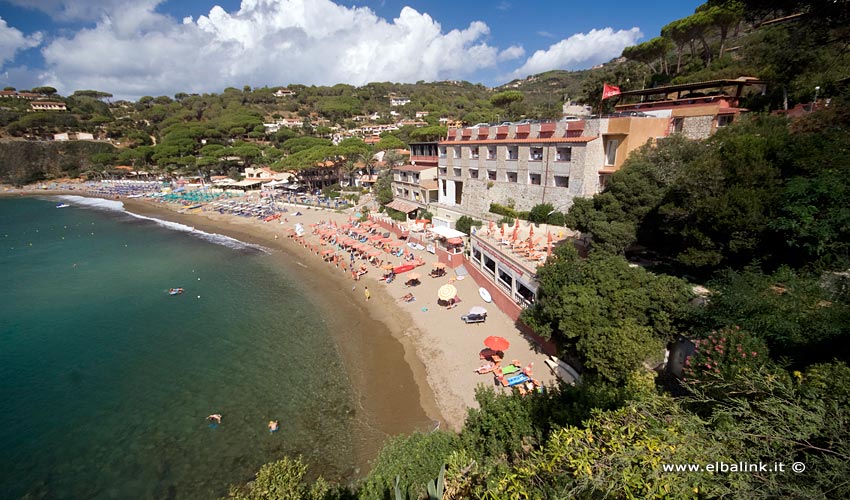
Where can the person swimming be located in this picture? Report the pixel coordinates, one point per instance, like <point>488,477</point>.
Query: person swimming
<point>273,425</point>
<point>215,418</point>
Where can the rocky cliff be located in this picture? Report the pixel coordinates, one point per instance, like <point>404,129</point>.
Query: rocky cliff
<point>23,162</point>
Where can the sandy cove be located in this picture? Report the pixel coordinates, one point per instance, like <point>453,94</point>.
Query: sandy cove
<point>440,349</point>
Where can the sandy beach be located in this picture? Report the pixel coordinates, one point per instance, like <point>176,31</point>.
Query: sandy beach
<point>440,350</point>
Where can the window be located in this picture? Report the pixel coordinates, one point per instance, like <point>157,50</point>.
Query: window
<point>511,176</point>
<point>562,181</point>
<point>491,175</point>
<point>536,154</point>
<point>473,153</point>
<point>476,254</point>
<point>534,179</point>
<point>491,152</point>
<point>611,151</point>
<point>505,279</point>
<point>513,152</point>
<point>473,173</point>
<point>724,120</point>
<point>456,171</point>
<point>678,125</point>
<point>456,152</point>
<point>604,179</point>
<point>416,178</point>
<point>490,265</point>
<point>564,154</point>
<point>442,151</point>
<point>443,171</point>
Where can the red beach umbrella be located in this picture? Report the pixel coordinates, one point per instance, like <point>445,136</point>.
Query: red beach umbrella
<point>497,343</point>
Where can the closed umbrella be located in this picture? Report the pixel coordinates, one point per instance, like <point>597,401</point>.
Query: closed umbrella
<point>447,292</point>
<point>548,243</point>
<point>497,343</point>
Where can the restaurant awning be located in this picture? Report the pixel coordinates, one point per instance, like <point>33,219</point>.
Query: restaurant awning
<point>402,206</point>
<point>447,232</point>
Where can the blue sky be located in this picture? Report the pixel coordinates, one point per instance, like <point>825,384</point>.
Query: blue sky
<point>132,48</point>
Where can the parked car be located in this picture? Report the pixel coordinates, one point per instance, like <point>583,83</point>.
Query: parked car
<point>477,125</point>
<point>570,119</point>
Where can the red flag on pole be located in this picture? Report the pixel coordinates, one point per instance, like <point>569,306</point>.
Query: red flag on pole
<point>609,91</point>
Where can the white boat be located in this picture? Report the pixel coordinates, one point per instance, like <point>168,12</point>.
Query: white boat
<point>485,295</point>
<point>562,370</point>
<point>62,205</point>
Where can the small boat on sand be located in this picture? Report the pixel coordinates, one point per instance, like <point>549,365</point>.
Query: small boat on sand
<point>175,291</point>
<point>403,268</point>
<point>62,205</point>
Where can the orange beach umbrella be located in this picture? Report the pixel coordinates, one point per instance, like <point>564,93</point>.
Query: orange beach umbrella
<point>497,343</point>
<point>548,243</point>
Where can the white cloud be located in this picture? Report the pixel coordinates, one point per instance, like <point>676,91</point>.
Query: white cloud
<point>512,52</point>
<point>12,41</point>
<point>77,10</point>
<point>579,50</point>
<point>134,51</point>
<point>546,34</point>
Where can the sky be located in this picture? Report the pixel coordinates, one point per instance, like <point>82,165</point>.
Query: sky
<point>132,48</point>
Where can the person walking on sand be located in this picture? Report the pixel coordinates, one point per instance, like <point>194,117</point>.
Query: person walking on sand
<point>367,293</point>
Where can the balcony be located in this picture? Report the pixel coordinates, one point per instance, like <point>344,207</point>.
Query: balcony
<point>523,130</point>
<point>501,132</point>
<point>547,128</point>
<point>483,132</point>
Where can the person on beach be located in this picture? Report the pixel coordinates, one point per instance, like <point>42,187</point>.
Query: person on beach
<point>215,417</point>
<point>367,293</point>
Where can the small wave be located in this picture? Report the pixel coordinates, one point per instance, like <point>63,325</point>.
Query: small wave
<point>101,203</point>
<point>117,206</point>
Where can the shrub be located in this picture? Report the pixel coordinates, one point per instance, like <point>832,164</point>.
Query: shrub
<point>465,224</point>
<point>414,459</point>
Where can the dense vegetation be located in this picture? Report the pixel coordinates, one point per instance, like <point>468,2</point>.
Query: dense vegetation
<point>758,215</point>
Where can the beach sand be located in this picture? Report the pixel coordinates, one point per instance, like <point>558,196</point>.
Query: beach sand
<point>424,339</point>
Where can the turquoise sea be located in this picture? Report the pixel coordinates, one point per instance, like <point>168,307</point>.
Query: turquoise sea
<point>106,380</point>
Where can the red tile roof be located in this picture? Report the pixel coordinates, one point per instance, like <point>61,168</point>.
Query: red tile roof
<point>538,140</point>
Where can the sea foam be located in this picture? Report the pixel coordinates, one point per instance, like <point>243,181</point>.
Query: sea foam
<point>117,206</point>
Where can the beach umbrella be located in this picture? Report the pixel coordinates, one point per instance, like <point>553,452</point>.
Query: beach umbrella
<point>497,343</point>
<point>387,267</point>
<point>327,252</point>
<point>447,292</point>
<point>439,265</point>
<point>515,234</point>
<point>548,243</point>
<point>413,276</point>
<point>502,230</point>
<point>530,232</point>
<point>490,228</point>
<point>477,310</point>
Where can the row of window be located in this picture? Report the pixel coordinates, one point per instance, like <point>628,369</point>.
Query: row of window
<point>534,179</point>
<point>535,153</point>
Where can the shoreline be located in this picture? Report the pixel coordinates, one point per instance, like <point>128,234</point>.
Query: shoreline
<point>439,350</point>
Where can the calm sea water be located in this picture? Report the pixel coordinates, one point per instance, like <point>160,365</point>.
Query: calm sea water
<point>106,380</point>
